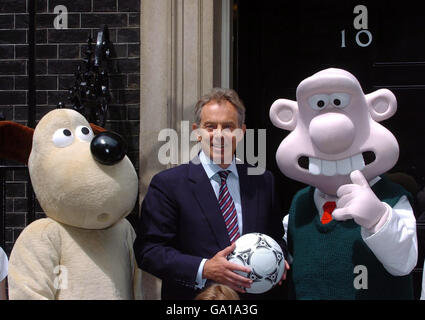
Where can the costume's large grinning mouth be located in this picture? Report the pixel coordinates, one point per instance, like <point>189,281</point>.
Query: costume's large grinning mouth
<point>336,167</point>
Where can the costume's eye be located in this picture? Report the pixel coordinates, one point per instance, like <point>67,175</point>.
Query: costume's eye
<point>319,101</point>
<point>62,138</point>
<point>340,100</point>
<point>84,133</point>
<point>209,127</point>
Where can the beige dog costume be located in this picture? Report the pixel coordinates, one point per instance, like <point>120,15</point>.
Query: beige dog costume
<point>84,248</point>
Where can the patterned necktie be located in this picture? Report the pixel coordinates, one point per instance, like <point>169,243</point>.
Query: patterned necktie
<point>328,208</point>
<point>227,208</point>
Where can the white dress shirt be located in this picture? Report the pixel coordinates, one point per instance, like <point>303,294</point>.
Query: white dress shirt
<point>395,244</point>
<point>212,170</point>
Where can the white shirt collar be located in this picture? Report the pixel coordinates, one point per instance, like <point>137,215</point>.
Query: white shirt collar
<point>211,168</point>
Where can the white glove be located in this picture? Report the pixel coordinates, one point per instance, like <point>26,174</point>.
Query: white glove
<point>357,201</point>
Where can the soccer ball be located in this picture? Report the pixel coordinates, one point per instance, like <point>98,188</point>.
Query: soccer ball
<point>263,256</point>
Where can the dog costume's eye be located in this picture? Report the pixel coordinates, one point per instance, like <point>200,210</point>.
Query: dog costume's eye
<point>84,133</point>
<point>62,138</point>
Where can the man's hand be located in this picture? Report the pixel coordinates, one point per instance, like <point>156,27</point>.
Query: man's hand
<point>221,271</point>
<point>357,201</point>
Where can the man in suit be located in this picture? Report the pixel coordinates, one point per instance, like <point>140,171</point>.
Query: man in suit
<point>192,214</point>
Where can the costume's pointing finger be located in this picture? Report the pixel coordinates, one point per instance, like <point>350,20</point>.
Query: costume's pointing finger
<point>341,214</point>
<point>344,200</point>
<point>346,189</point>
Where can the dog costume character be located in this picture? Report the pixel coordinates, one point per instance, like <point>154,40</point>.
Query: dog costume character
<point>351,232</point>
<point>84,248</point>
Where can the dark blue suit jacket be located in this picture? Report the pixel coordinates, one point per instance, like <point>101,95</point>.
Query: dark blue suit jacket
<point>181,224</point>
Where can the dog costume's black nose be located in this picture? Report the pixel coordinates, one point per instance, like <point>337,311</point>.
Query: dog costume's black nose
<point>108,148</point>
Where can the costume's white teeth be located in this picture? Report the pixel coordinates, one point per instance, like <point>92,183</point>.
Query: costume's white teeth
<point>343,167</point>
<point>357,162</point>
<point>328,168</point>
<point>314,166</point>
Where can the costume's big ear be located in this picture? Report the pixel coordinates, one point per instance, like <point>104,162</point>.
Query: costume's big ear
<point>382,104</point>
<point>284,113</point>
<point>96,129</point>
<point>15,141</point>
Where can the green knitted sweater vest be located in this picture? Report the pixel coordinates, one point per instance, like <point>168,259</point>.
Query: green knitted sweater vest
<point>325,256</point>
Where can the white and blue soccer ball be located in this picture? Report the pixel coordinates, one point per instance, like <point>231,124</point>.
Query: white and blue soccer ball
<point>263,256</point>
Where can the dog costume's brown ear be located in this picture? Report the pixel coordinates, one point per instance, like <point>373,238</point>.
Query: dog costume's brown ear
<point>15,141</point>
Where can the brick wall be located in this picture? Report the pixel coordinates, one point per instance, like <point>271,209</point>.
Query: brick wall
<point>59,52</point>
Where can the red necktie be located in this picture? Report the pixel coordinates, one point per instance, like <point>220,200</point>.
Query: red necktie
<point>328,208</point>
<point>227,208</point>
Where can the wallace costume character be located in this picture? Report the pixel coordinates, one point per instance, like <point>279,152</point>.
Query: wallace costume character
<point>351,232</point>
<point>83,249</point>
